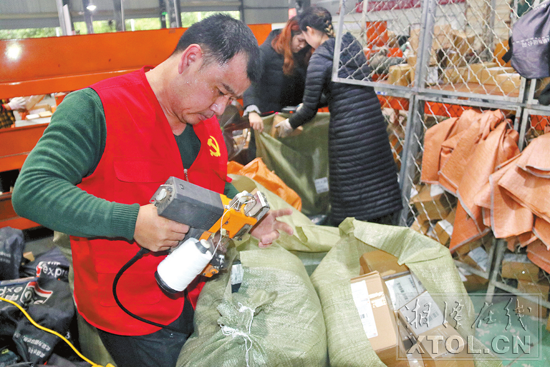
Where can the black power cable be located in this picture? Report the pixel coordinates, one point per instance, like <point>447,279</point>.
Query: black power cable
<point>132,261</point>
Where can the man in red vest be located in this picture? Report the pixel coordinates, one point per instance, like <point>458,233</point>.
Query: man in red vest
<point>104,154</point>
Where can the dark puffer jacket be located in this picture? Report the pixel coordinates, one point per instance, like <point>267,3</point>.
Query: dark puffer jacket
<point>276,90</point>
<point>363,175</point>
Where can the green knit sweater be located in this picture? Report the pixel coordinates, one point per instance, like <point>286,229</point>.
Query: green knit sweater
<point>69,150</point>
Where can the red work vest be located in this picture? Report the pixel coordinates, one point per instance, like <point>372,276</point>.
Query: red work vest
<point>140,154</point>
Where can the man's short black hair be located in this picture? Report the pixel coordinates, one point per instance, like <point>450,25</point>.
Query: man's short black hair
<point>221,38</point>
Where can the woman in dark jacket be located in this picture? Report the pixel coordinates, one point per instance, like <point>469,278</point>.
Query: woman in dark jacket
<point>362,173</point>
<point>283,59</point>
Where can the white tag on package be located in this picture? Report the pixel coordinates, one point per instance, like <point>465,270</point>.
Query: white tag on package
<point>479,255</point>
<point>402,290</point>
<point>362,301</point>
<point>321,185</point>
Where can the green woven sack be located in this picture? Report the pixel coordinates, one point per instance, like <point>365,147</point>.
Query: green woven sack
<point>348,344</point>
<point>300,161</point>
<point>274,319</point>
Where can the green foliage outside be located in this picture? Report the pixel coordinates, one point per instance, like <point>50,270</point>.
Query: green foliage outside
<point>106,26</point>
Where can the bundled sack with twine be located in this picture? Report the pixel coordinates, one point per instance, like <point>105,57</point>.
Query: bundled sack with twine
<point>274,319</point>
<point>347,342</point>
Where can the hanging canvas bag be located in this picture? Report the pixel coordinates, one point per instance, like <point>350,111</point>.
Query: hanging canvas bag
<point>530,46</point>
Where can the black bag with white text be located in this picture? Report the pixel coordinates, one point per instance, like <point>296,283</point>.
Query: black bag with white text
<point>530,43</point>
<point>49,302</point>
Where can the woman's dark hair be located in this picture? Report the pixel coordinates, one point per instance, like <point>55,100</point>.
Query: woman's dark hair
<point>222,37</point>
<point>318,18</point>
<point>282,45</point>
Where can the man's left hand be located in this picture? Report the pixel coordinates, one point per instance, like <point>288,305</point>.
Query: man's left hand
<point>267,230</point>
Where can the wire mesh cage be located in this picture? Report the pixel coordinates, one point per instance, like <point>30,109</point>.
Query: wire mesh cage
<point>445,47</point>
<point>433,206</point>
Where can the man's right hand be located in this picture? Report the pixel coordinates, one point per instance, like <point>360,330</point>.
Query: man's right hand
<point>256,121</point>
<point>156,233</point>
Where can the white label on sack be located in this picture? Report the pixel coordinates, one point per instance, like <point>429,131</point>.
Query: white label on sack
<point>446,226</point>
<point>480,257</point>
<point>237,274</point>
<point>321,185</point>
<point>361,298</point>
<point>401,290</point>
<point>414,192</point>
<point>516,258</point>
<point>419,287</point>
<point>436,190</point>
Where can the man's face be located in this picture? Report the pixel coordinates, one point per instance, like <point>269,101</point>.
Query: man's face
<point>206,90</point>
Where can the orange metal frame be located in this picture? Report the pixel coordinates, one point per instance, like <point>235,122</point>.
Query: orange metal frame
<point>62,64</point>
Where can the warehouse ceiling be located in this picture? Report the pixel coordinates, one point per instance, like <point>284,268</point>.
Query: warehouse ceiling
<point>18,14</point>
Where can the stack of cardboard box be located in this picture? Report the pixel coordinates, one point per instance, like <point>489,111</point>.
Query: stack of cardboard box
<point>433,205</point>
<point>388,298</point>
<point>436,215</point>
<point>530,280</point>
<point>453,60</point>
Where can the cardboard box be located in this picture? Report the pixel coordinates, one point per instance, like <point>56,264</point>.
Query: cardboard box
<point>541,290</point>
<point>518,266</point>
<point>370,297</point>
<point>463,44</point>
<point>420,227</point>
<point>472,282</point>
<point>508,82</point>
<point>400,75</point>
<point>451,76</point>
<point>411,60</point>
<point>462,251</point>
<point>477,259</point>
<point>485,241</point>
<point>402,288</point>
<point>434,351</point>
<point>474,71</point>
<point>488,75</point>
<point>455,59</point>
<point>443,229</point>
<point>382,262</point>
<point>431,200</point>
<point>421,314</point>
<point>440,39</point>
